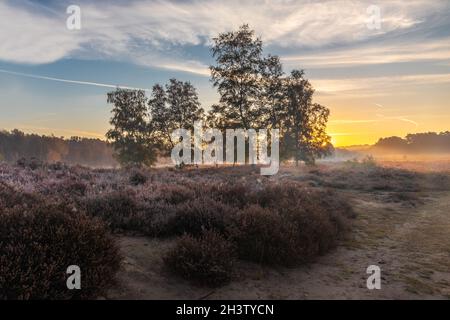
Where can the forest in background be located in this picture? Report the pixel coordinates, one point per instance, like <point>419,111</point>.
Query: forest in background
<point>17,146</point>
<point>427,142</point>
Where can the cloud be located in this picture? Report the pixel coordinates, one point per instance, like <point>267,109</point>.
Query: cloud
<point>377,53</point>
<point>158,33</point>
<point>372,85</point>
<point>27,37</point>
<point>168,63</point>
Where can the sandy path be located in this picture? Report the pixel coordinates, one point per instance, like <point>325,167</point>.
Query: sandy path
<point>411,245</point>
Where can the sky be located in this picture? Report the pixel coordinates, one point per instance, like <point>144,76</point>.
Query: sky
<point>378,79</point>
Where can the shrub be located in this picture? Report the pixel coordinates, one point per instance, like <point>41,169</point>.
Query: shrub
<point>158,215</point>
<point>39,243</point>
<point>263,236</point>
<point>175,194</point>
<point>280,195</point>
<point>195,216</point>
<point>118,209</point>
<point>236,194</point>
<point>32,163</point>
<point>290,224</point>
<point>316,232</point>
<point>10,197</point>
<point>72,187</point>
<point>207,260</point>
<point>137,178</point>
<point>57,166</point>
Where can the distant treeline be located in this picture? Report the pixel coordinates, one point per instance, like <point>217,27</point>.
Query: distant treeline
<point>429,142</point>
<point>16,145</point>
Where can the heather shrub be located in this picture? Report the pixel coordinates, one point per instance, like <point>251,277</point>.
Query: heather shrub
<point>118,209</point>
<point>37,245</point>
<point>175,194</point>
<point>57,166</point>
<point>236,194</point>
<point>158,220</point>
<point>10,197</point>
<point>195,216</point>
<point>205,260</point>
<point>290,224</point>
<point>72,187</point>
<point>137,178</point>
<point>264,236</point>
<point>316,232</point>
<point>32,163</point>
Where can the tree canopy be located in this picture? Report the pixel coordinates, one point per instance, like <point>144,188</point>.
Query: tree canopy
<point>254,93</point>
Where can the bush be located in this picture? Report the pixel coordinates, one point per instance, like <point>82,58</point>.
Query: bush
<point>10,197</point>
<point>175,194</point>
<point>32,163</point>
<point>138,178</point>
<point>236,194</point>
<point>72,188</point>
<point>265,237</point>
<point>195,216</point>
<point>39,243</point>
<point>117,209</point>
<point>290,224</point>
<point>207,260</point>
<point>316,232</point>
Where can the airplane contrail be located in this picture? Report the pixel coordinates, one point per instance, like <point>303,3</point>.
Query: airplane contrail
<point>97,84</point>
<point>408,120</point>
<point>401,118</point>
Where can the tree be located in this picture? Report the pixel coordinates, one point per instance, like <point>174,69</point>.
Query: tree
<point>254,93</point>
<point>237,76</point>
<point>176,107</point>
<point>16,145</point>
<point>305,136</point>
<point>393,143</point>
<point>159,117</point>
<point>273,94</point>
<point>131,135</point>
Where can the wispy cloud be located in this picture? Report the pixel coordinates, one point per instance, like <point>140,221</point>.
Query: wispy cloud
<point>372,85</point>
<point>377,53</point>
<point>134,30</point>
